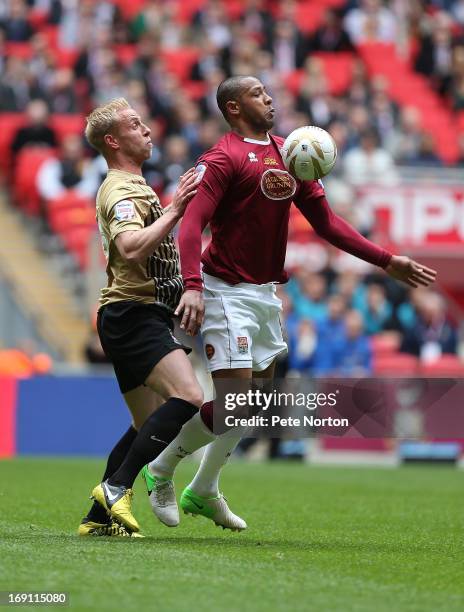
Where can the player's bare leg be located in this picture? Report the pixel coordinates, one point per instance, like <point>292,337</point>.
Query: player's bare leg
<point>159,473</point>
<point>174,380</point>
<point>142,402</point>
<point>204,489</point>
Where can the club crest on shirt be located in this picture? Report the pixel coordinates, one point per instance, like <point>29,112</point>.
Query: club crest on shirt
<point>278,184</point>
<point>242,344</point>
<point>124,210</point>
<point>209,351</point>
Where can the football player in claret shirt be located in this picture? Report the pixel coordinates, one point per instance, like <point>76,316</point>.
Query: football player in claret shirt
<point>245,194</point>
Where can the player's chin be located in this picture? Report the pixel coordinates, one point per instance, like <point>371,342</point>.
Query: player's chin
<point>269,122</point>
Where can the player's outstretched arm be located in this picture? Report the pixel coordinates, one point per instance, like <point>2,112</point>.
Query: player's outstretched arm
<point>344,236</point>
<point>137,245</point>
<point>409,271</point>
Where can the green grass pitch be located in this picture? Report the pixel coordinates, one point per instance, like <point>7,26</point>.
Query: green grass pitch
<point>319,538</point>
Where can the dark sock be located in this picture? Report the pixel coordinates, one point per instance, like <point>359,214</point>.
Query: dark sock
<point>97,513</point>
<point>155,434</point>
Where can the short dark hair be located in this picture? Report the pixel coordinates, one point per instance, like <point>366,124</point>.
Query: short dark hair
<point>230,89</point>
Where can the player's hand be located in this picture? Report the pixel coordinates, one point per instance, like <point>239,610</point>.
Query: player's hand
<point>185,191</point>
<point>410,272</point>
<point>192,309</point>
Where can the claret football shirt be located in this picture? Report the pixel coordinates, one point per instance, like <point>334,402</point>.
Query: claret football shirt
<point>245,194</point>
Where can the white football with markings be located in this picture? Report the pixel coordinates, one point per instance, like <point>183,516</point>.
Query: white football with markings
<point>309,153</point>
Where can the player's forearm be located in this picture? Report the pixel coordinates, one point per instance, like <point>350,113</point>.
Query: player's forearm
<point>344,236</point>
<point>190,253</point>
<point>138,245</point>
<point>196,218</point>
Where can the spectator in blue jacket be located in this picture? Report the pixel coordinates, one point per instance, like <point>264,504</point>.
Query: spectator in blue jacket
<point>376,310</point>
<point>348,354</point>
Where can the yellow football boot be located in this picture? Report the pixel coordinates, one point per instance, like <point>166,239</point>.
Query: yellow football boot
<point>117,501</point>
<point>111,529</point>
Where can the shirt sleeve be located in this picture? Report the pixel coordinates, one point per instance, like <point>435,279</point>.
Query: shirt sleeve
<point>124,215</point>
<point>216,172</point>
<point>311,201</point>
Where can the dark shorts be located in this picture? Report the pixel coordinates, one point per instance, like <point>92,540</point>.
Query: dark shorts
<point>135,337</point>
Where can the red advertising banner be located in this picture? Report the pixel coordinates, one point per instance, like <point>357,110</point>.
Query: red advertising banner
<point>416,216</point>
<point>8,393</point>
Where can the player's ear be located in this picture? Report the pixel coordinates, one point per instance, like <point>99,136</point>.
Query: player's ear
<point>111,141</point>
<point>233,108</point>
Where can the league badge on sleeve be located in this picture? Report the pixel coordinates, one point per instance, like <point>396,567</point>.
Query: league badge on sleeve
<point>124,210</point>
<point>200,169</point>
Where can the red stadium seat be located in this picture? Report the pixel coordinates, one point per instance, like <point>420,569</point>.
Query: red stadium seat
<point>22,50</point>
<point>385,343</point>
<point>186,9</point>
<point>77,241</point>
<point>234,9</point>
<point>338,68</point>
<point>409,88</point>
<point>126,54</point>
<point>129,8</point>
<point>446,365</point>
<point>51,32</point>
<point>62,220</point>
<point>58,210</point>
<point>66,58</point>
<point>195,89</point>
<point>69,200</point>
<point>396,364</point>
<point>308,16</point>
<point>37,19</point>
<point>27,166</point>
<point>9,125</point>
<point>377,52</point>
<point>460,121</point>
<point>180,61</point>
<point>293,81</point>
<point>67,124</point>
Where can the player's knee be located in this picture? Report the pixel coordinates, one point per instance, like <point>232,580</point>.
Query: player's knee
<point>193,394</point>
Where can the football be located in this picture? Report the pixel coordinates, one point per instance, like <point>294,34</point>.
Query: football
<point>309,153</point>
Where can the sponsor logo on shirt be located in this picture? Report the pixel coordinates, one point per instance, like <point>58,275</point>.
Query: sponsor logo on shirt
<point>200,170</point>
<point>209,351</point>
<point>242,344</point>
<point>124,210</point>
<point>270,161</point>
<point>252,157</point>
<point>278,184</point>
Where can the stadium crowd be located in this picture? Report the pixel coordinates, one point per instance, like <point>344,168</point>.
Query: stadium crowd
<point>66,56</point>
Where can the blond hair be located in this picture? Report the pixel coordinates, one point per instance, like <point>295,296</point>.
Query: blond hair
<point>102,120</point>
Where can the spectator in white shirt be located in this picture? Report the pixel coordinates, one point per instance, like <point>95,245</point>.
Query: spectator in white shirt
<point>371,22</point>
<point>368,163</point>
<point>71,171</point>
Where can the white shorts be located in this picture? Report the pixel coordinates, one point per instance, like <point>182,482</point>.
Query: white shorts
<point>241,328</point>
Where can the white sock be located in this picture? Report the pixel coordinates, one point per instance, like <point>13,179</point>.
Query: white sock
<point>193,435</point>
<point>206,481</point>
